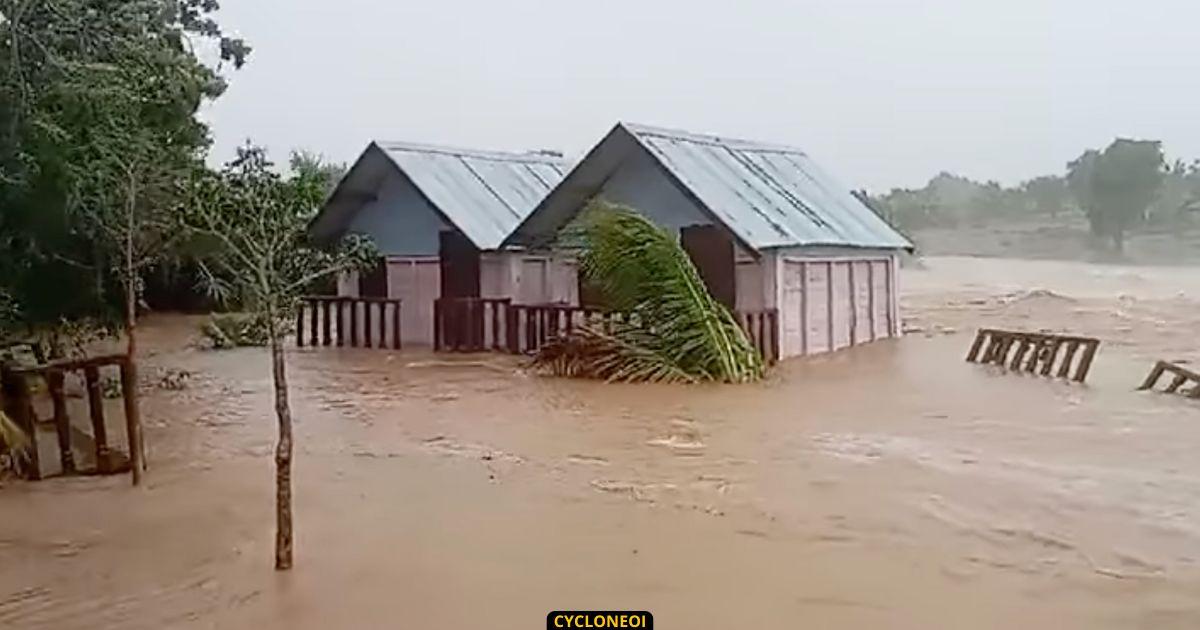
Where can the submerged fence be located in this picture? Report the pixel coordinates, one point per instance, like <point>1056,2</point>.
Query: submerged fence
<point>19,405</point>
<point>349,321</point>
<point>1035,353</point>
<point>1180,376</point>
<point>481,324</point>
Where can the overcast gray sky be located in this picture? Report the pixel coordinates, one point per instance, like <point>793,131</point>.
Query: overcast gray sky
<point>884,92</point>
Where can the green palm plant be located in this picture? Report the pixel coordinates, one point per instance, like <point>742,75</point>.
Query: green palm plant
<point>672,330</point>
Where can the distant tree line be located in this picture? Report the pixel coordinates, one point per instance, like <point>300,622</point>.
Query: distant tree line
<point>1124,186</point>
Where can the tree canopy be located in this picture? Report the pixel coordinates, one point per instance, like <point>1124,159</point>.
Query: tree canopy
<point>98,102</point>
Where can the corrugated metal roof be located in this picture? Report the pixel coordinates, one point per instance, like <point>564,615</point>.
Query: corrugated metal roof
<point>485,194</point>
<point>768,195</point>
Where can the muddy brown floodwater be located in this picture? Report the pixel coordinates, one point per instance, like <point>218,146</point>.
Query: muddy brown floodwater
<point>892,486</point>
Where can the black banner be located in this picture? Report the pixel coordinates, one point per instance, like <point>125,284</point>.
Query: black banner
<point>590,619</point>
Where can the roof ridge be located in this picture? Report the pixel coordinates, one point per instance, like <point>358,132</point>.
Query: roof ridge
<point>711,139</point>
<point>505,156</point>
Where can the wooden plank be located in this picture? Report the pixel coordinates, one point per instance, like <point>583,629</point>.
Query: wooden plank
<point>95,397</point>
<point>339,321</point>
<point>396,325</point>
<point>300,325</point>
<point>1040,347</point>
<point>1065,368</point>
<point>62,423</point>
<point>871,298</point>
<point>973,354</point>
<point>853,304</point>
<point>829,304</point>
<point>325,323</point>
<point>1048,361</point>
<point>1085,363</point>
<point>437,325</point>
<point>312,324</point>
<point>133,421</point>
<point>1023,345</point>
<point>804,308</point>
<point>1176,383</point>
<point>366,325</point>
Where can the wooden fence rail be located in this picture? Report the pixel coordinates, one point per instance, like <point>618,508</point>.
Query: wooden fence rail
<point>1035,353</point>
<point>532,326</point>
<point>1181,376</point>
<point>18,404</point>
<point>470,324</point>
<point>763,329</point>
<point>332,320</point>
<point>479,324</point>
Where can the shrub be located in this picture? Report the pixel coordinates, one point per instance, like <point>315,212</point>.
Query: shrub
<point>233,330</point>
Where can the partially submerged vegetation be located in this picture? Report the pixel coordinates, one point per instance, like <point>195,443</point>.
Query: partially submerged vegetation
<point>671,330</point>
<point>235,330</point>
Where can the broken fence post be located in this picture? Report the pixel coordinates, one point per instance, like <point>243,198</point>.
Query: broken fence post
<point>1181,376</point>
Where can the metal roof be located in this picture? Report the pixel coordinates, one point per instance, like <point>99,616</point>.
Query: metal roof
<point>767,195</point>
<point>485,194</point>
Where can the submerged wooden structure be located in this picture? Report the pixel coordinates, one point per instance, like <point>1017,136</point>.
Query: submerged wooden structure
<point>1044,354</point>
<point>483,324</point>
<point>349,321</point>
<point>19,405</point>
<point>1180,376</point>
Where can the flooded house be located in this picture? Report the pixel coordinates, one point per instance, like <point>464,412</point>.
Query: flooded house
<point>438,216</point>
<point>775,238</point>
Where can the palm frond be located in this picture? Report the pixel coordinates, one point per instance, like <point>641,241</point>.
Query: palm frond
<point>14,444</point>
<point>681,332</point>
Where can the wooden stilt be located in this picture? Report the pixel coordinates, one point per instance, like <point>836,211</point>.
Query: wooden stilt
<point>62,423</point>
<point>396,325</point>
<point>91,375</point>
<point>300,325</point>
<point>326,322</point>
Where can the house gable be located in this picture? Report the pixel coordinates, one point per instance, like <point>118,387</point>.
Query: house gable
<point>400,220</point>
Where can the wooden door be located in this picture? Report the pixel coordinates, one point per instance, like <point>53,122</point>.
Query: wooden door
<point>711,250</point>
<point>459,265</point>
<point>374,283</point>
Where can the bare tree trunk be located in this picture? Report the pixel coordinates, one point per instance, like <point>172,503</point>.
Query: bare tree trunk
<point>283,455</point>
<point>137,452</point>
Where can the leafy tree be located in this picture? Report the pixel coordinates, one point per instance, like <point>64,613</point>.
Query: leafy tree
<point>1048,194</point>
<point>254,223</point>
<point>97,116</point>
<point>1179,194</point>
<point>1115,187</point>
<point>672,329</point>
<point>314,167</point>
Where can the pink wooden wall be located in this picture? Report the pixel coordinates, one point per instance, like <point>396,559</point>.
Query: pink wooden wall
<point>830,303</point>
<point>824,304</point>
<point>416,281</point>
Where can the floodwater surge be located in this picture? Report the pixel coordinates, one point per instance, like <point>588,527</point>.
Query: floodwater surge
<point>893,485</point>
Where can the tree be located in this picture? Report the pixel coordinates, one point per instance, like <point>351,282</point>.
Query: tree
<point>1179,194</point>
<point>671,328</point>
<point>1048,194</point>
<point>1116,186</point>
<point>98,102</point>
<point>254,222</point>
<point>314,167</point>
